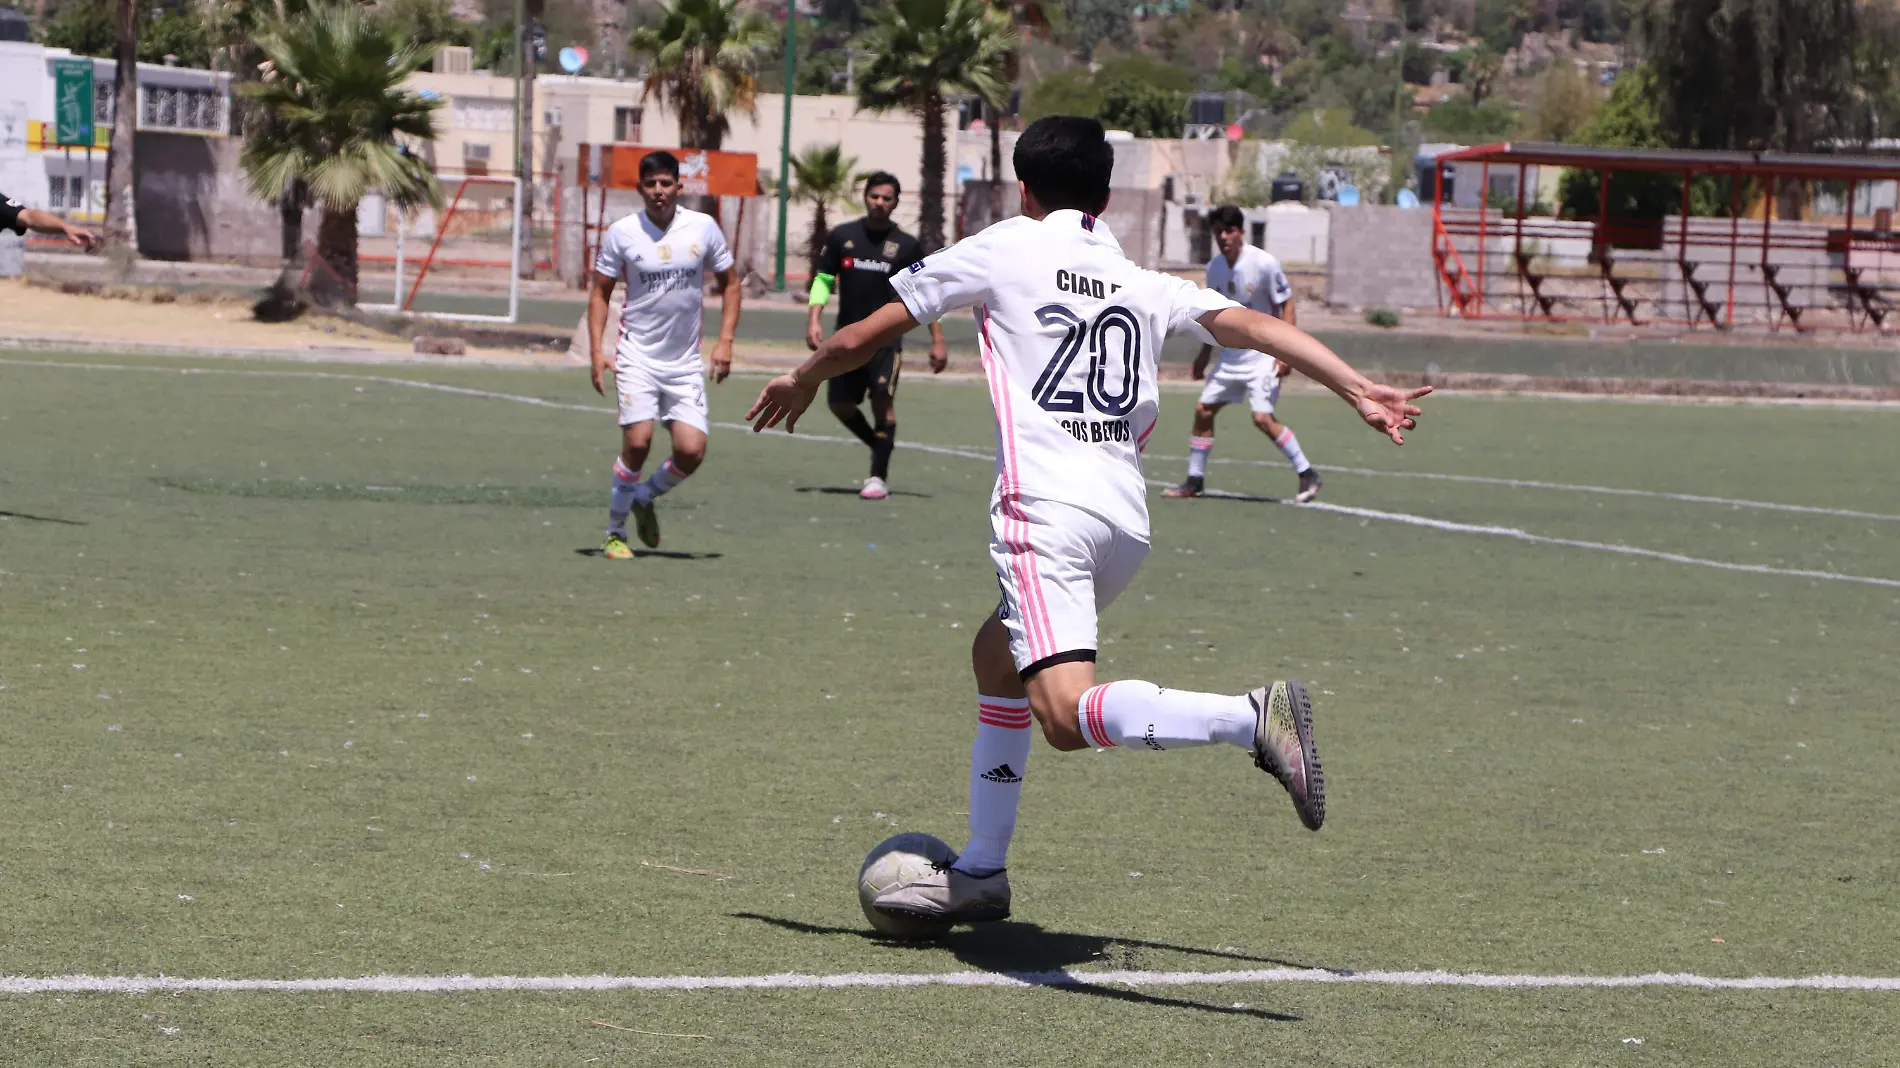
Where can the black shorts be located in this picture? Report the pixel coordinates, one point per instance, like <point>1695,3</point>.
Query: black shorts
<point>877,378</point>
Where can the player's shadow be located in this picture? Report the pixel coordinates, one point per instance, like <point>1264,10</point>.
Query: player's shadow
<point>31,518</point>
<point>663,554</point>
<point>1240,498</point>
<point>1045,958</point>
<point>852,491</point>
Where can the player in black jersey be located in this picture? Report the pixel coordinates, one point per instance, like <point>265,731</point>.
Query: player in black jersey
<point>859,259</point>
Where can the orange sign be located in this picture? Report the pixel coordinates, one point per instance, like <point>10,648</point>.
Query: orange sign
<point>702,172</point>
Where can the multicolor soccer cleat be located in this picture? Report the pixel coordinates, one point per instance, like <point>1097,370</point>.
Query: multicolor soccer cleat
<point>616,548</point>
<point>645,523</point>
<point>952,895</point>
<point>1193,487</point>
<point>1309,485</point>
<point>1283,747</point>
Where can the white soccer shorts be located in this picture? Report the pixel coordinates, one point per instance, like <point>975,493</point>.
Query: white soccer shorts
<point>1059,567</point>
<point>665,393</point>
<point>1260,389</point>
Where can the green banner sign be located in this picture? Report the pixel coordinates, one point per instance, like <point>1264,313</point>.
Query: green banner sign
<point>72,101</point>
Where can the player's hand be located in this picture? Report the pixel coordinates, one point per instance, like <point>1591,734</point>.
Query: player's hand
<point>1281,368</point>
<point>782,400</point>
<point>599,368</point>
<point>1199,370</point>
<point>814,336</point>
<point>721,361</point>
<point>1390,410</point>
<point>79,238</point>
<point>939,357</point>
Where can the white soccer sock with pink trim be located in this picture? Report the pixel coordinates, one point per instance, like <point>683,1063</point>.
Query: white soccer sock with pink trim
<point>1141,715</point>
<point>1290,446</point>
<point>662,480</point>
<point>997,759</point>
<point>621,502</point>
<point>1198,448</point>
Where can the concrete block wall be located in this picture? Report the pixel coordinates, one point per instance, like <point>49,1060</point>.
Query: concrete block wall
<point>1381,257</point>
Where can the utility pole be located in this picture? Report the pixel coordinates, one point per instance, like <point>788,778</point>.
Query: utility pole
<point>525,66</point>
<point>785,140</point>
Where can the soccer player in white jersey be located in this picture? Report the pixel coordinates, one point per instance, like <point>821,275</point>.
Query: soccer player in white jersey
<point>663,255</point>
<point>1253,277</point>
<point>1069,334</point>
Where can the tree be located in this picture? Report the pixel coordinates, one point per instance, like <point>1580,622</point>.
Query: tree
<point>90,28</point>
<point>122,232</point>
<point>335,105</point>
<point>1094,22</point>
<point>1631,118</point>
<point>704,62</point>
<point>1135,93</point>
<point>1461,120</point>
<point>1563,104</point>
<point>924,51</point>
<point>1751,74</point>
<point>822,176</point>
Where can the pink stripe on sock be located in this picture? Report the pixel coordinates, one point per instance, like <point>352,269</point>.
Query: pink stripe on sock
<point>1282,439</point>
<point>1200,443</point>
<point>623,473</point>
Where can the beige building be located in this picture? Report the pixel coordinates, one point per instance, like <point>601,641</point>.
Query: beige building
<point>475,133</point>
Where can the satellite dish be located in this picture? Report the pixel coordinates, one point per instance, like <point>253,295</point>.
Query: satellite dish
<point>573,59</point>
<point>1235,131</point>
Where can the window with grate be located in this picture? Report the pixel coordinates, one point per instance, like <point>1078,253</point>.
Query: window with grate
<point>627,123</point>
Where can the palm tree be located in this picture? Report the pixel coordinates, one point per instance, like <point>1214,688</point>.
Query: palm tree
<point>234,27</point>
<point>823,177</point>
<point>122,234</point>
<point>924,51</point>
<point>1026,17</point>
<point>334,104</point>
<point>703,61</point>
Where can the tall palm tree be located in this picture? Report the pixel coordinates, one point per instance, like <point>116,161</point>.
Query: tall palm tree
<point>823,177</point>
<point>334,104</point>
<point>234,27</point>
<point>924,51</point>
<point>122,233</point>
<point>703,61</point>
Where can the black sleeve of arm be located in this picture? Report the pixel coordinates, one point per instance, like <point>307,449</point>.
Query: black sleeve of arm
<point>10,210</point>
<point>832,261</point>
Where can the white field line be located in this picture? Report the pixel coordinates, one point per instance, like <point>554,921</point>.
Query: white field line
<point>972,453</point>
<point>453,984</point>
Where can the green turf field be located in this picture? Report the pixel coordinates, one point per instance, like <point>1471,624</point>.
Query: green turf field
<point>309,677</point>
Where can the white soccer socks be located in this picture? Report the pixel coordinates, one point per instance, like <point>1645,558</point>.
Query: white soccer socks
<point>618,505</point>
<point>663,480</point>
<point>997,760</point>
<point>1290,448</point>
<point>1198,448</point>
<point>1141,715</point>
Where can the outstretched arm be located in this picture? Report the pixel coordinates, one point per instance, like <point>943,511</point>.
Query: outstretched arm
<point>786,397</point>
<point>1386,409</point>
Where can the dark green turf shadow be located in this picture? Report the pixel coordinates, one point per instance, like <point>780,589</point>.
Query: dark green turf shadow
<point>31,518</point>
<point>848,491</point>
<point>1045,958</point>
<point>664,554</point>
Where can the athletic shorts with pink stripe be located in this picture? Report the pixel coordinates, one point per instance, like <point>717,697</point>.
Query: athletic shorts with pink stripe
<point>1059,567</point>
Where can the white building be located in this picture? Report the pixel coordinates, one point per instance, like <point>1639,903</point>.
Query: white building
<point>69,180</point>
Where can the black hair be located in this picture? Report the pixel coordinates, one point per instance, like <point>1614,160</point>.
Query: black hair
<point>877,178</point>
<point>659,163</point>
<point>1066,162</point>
<point>1226,217</point>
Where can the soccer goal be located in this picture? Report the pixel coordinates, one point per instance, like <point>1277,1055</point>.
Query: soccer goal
<point>460,263</point>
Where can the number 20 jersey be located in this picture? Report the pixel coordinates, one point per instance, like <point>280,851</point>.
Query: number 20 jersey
<point>1070,332</point>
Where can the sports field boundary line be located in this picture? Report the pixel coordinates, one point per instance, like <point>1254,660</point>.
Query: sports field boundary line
<point>972,453</point>
<point>15,985</point>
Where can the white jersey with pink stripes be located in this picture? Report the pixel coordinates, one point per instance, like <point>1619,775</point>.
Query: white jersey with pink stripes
<point>1071,331</point>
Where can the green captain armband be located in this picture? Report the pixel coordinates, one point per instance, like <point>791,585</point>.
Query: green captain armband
<point>821,289</point>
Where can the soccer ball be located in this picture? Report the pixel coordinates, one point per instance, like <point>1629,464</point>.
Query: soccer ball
<point>899,859</point>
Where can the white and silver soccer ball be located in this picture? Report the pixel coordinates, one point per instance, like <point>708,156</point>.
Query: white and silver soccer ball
<point>901,858</point>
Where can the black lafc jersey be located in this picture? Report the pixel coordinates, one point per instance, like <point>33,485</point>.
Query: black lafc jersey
<point>863,261</point>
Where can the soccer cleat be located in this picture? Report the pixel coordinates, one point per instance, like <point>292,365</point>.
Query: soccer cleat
<point>1283,747</point>
<point>1193,487</point>
<point>949,894</point>
<point>645,523</point>
<point>616,548</point>
<point>1309,485</point>
<point>874,489</point>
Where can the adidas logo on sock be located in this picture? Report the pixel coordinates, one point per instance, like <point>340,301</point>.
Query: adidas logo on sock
<point>1002,773</point>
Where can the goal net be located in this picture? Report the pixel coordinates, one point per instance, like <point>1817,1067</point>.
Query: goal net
<point>460,262</point>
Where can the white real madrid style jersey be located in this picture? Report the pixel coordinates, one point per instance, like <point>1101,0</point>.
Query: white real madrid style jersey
<point>1070,332</point>
<point>1254,280</point>
<point>664,273</point>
